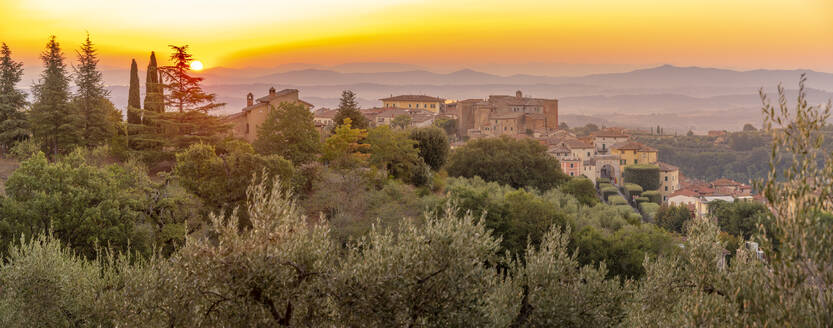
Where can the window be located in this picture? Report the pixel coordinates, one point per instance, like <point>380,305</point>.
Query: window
<point>636,161</point>
<point>588,154</point>
<point>571,173</point>
<point>409,105</point>
<point>433,105</point>
<point>666,188</point>
<point>247,128</point>
<point>666,178</point>
<point>571,165</point>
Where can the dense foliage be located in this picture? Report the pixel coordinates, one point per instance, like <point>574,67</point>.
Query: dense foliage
<point>289,132</point>
<point>643,175</point>
<point>518,163</point>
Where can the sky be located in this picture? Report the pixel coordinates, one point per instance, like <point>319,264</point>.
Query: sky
<point>436,34</point>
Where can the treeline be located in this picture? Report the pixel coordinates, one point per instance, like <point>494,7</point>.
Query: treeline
<point>171,222</point>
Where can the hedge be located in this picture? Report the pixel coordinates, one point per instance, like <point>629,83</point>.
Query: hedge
<point>654,196</point>
<point>632,189</point>
<point>617,200</point>
<point>609,191</point>
<point>649,210</point>
<point>641,199</point>
<point>645,175</point>
<point>600,181</point>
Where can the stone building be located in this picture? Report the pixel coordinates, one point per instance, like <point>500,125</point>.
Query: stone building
<point>669,180</point>
<point>506,115</point>
<point>245,123</point>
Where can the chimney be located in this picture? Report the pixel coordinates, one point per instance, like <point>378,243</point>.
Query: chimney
<point>519,94</point>
<point>250,99</point>
<point>271,91</point>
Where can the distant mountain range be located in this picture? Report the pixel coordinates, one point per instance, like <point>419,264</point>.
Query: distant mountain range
<point>679,98</point>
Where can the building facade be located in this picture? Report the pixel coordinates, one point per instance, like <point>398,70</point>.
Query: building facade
<point>506,115</point>
<point>244,124</point>
<point>428,103</point>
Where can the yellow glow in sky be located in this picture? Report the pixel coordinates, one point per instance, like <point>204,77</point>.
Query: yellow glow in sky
<point>743,34</point>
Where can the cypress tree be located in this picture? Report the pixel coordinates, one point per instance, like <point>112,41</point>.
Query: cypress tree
<point>53,120</point>
<point>91,100</point>
<point>190,123</point>
<point>154,101</point>
<point>14,126</point>
<point>134,114</point>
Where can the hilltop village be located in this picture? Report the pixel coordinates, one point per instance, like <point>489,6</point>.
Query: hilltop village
<point>610,157</point>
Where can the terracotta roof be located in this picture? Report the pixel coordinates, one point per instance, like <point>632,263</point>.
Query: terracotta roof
<point>325,113</point>
<point>665,167</point>
<point>413,98</point>
<point>725,182</point>
<point>632,145</point>
<point>576,144</point>
<point>685,192</point>
<point>283,92</point>
<point>558,149</point>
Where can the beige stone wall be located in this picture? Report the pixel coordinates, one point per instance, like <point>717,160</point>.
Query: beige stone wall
<point>669,182</point>
<point>245,126</point>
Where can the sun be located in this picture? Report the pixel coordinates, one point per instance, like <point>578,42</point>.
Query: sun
<point>196,65</point>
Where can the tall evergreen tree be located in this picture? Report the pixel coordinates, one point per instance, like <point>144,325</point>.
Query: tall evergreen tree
<point>189,122</point>
<point>349,108</point>
<point>134,114</point>
<point>53,119</point>
<point>14,126</point>
<point>154,100</point>
<point>92,99</point>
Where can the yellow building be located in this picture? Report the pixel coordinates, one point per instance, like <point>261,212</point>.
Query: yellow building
<point>632,152</point>
<point>244,124</point>
<point>669,180</point>
<point>431,104</point>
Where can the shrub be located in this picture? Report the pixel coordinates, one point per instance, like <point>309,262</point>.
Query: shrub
<point>654,196</point>
<point>644,175</point>
<point>649,210</point>
<point>641,199</point>
<point>609,191</point>
<point>631,190</point>
<point>617,200</point>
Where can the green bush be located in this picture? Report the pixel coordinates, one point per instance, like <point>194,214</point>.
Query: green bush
<point>601,181</point>
<point>632,189</point>
<point>649,209</point>
<point>617,200</point>
<point>645,175</point>
<point>609,191</point>
<point>654,196</point>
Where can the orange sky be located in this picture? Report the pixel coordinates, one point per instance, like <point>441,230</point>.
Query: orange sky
<point>743,34</point>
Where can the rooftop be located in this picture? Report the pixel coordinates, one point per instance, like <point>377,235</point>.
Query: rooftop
<point>413,98</point>
<point>632,145</point>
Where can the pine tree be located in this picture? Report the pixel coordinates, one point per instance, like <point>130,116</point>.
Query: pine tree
<point>134,114</point>
<point>53,119</point>
<point>154,100</point>
<point>349,108</point>
<point>91,99</point>
<point>14,126</point>
<point>189,121</point>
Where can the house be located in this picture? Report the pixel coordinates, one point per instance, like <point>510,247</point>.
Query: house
<point>691,199</point>
<point>731,187</point>
<point>603,140</point>
<point>632,152</point>
<point>324,117</point>
<point>571,166</point>
<point>579,149</point>
<point>244,124</point>
<point>669,180</point>
<point>506,115</point>
<point>431,104</point>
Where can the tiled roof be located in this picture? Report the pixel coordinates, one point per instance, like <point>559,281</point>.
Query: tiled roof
<point>284,92</point>
<point>576,144</point>
<point>665,167</point>
<point>685,192</point>
<point>325,113</point>
<point>413,98</point>
<point>725,182</point>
